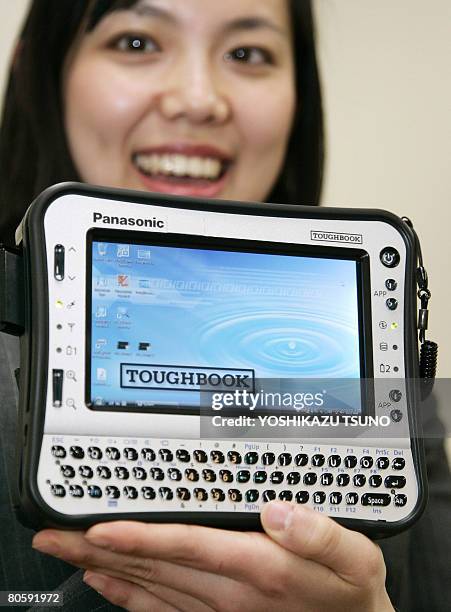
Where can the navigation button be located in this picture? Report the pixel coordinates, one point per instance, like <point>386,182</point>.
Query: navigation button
<point>59,262</point>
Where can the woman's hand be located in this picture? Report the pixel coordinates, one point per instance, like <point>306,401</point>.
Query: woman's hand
<point>308,563</point>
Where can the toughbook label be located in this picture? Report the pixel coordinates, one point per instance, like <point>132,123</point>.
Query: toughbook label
<point>336,237</point>
<point>185,378</point>
<point>152,223</point>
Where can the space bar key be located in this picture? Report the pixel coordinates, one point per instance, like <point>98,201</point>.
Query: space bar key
<point>376,499</point>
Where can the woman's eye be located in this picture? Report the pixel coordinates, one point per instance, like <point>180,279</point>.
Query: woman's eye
<point>250,55</point>
<point>135,43</point>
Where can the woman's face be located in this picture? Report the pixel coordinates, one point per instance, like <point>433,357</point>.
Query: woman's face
<point>189,97</point>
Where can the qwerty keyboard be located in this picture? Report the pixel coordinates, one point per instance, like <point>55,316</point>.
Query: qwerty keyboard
<point>142,475</point>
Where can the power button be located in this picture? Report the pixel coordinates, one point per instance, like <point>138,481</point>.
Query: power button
<point>389,257</point>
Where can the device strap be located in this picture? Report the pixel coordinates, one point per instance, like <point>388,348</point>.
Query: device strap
<point>428,348</point>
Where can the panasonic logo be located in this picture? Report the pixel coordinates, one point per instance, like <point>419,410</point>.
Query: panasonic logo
<point>336,237</point>
<point>153,223</point>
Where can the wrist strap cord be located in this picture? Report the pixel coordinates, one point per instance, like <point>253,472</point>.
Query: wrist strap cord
<point>428,349</point>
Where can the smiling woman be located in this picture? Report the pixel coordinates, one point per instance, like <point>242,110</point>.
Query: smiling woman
<point>164,95</point>
<point>200,98</point>
<point>192,106</point>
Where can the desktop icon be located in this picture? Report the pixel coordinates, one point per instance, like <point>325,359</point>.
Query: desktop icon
<point>123,250</point>
<point>123,280</point>
<point>122,313</point>
<point>101,374</point>
<point>101,312</point>
<point>144,254</point>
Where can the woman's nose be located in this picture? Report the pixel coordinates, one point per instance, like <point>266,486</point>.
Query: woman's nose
<point>193,93</point>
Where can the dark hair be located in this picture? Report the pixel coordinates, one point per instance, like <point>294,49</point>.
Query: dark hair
<point>34,152</point>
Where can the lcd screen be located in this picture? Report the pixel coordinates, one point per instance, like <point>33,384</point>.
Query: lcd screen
<point>167,321</point>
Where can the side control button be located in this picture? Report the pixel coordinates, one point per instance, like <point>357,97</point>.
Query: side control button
<point>57,379</point>
<point>390,257</point>
<point>395,395</point>
<point>59,262</point>
<point>392,303</point>
<point>396,415</point>
<point>391,284</point>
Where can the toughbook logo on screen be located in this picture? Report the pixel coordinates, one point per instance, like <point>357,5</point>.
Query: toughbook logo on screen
<point>185,378</point>
<point>336,237</point>
<point>152,223</point>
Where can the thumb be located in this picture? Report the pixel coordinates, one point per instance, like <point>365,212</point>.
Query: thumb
<point>317,537</point>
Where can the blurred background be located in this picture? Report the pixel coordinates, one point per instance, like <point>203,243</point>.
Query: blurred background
<point>386,78</point>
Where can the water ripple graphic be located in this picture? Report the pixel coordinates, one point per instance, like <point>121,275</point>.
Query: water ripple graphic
<point>278,343</point>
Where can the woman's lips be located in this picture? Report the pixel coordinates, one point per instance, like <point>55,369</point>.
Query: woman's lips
<point>183,169</point>
<point>184,186</point>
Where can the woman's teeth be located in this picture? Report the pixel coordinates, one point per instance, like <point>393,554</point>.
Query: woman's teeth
<point>180,165</point>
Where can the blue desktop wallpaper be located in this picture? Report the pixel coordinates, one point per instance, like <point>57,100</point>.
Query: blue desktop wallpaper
<point>281,316</point>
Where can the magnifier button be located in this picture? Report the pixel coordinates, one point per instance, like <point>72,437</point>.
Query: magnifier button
<point>57,380</point>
